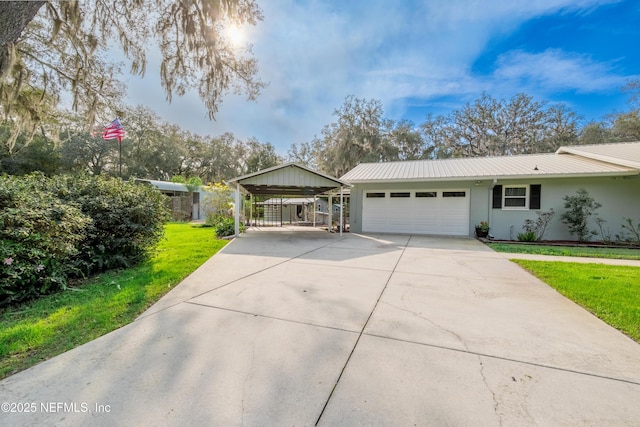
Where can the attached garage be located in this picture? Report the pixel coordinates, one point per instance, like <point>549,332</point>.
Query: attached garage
<point>422,211</point>
<point>451,196</point>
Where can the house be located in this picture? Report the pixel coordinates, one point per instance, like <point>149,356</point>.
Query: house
<point>450,196</point>
<point>184,202</point>
<point>288,210</point>
<point>322,210</point>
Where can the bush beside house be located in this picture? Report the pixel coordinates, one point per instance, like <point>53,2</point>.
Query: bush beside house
<point>63,227</point>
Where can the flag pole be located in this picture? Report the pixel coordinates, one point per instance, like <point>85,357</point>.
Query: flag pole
<point>120,158</point>
<point>115,130</point>
<point>119,151</point>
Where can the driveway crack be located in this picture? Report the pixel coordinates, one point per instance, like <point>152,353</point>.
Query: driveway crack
<point>431,322</point>
<point>496,404</point>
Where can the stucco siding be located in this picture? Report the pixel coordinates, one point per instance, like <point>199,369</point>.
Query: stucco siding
<point>355,209</point>
<point>620,197</point>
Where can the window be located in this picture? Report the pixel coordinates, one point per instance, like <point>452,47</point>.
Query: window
<point>426,194</point>
<point>515,197</point>
<point>402,194</point>
<point>375,195</point>
<point>454,194</point>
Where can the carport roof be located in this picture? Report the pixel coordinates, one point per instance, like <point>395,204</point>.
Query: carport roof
<point>289,179</point>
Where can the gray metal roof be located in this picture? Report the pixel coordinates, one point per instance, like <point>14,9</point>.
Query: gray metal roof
<point>289,179</point>
<point>624,153</point>
<point>560,164</point>
<point>166,185</point>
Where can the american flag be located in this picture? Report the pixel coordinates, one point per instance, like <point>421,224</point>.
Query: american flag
<point>114,130</point>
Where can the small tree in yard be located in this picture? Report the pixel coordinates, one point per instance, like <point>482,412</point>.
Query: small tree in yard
<point>632,229</point>
<point>579,209</point>
<point>218,206</point>
<point>534,230</point>
<point>217,202</point>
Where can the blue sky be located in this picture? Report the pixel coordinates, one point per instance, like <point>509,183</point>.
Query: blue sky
<point>417,57</point>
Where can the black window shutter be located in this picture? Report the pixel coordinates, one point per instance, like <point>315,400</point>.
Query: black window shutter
<point>497,197</point>
<point>534,199</point>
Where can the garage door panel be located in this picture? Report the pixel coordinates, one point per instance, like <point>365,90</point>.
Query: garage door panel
<point>377,211</point>
<point>429,213</point>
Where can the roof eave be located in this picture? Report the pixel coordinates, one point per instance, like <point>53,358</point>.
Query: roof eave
<point>499,177</point>
<point>576,151</point>
<point>285,165</point>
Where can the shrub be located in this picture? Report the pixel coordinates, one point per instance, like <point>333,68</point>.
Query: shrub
<point>226,227</point>
<point>527,236</point>
<point>538,227</point>
<point>52,229</point>
<point>579,209</point>
<point>605,234</point>
<point>127,221</point>
<point>39,236</point>
<point>634,231</point>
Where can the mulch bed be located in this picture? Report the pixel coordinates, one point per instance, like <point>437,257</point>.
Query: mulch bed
<point>573,243</point>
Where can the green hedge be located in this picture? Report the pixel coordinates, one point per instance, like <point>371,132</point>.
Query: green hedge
<point>54,229</point>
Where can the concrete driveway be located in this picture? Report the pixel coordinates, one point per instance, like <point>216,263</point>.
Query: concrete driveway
<point>306,328</point>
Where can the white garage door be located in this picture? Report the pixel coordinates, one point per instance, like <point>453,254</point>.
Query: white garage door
<point>429,211</point>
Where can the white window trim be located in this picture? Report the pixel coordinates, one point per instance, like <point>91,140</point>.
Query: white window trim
<point>515,208</point>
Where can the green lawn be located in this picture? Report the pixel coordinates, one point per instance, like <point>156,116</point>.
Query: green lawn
<point>610,292</point>
<point>619,253</point>
<point>39,330</point>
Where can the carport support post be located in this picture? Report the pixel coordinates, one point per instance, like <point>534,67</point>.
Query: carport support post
<point>330,226</point>
<point>341,200</point>
<point>314,210</point>
<point>237,210</point>
<point>250,209</point>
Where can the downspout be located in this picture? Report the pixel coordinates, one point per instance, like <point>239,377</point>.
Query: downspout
<point>490,205</point>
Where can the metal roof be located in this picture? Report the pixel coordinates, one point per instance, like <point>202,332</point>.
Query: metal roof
<point>289,179</point>
<point>166,185</point>
<point>624,153</point>
<point>575,161</point>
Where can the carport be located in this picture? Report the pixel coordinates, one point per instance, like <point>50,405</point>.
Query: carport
<point>289,179</point>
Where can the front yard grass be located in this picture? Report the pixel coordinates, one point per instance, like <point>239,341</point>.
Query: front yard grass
<point>616,253</point>
<point>612,293</point>
<point>38,330</point>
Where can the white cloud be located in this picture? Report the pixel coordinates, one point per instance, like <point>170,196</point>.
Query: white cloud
<point>556,70</point>
<point>314,53</point>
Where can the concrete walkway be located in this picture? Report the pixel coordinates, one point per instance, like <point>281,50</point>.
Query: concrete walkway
<point>306,328</point>
<point>582,260</point>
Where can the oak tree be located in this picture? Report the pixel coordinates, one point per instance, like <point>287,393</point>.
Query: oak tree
<point>51,47</point>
